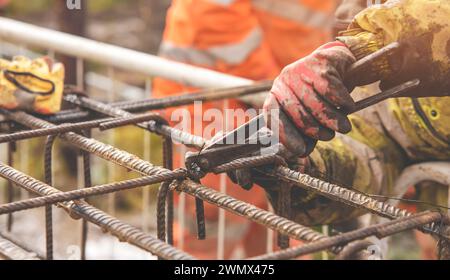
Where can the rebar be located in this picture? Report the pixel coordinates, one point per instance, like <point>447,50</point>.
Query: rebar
<point>10,188</point>
<point>93,146</point>
<point>166,102</point>
<point>87,183</point>
<point>250,212</point>
<point>59,197</point>
<point>351,250</point>
<point>160,127</point>
<point>113,115</point>
<point>13,251</point>
<point>346,196</point>
<point>284,210</point>
<point>54,130</point>
<point>380,231</point>
<point>48,208</point>
<point>121,230</point>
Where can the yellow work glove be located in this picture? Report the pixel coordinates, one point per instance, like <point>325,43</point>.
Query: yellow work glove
<point>33,85</point>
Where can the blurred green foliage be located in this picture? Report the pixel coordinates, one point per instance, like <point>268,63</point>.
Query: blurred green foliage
<point>25,7</point>
<point>103,5</point>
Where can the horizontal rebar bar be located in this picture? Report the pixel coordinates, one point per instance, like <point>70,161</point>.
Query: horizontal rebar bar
<point>62,128</point>
<point>331,191</point>
<point>93,146</point>
<point>123,231</point>
<point>379,230</point>
<point>92,191</point>
<point>346,196</point>
<point>129,120</point>
<point>249,162</point>
<point>170,101</point>
<point>132,162</point>
<point>13,251</point>
<point>250,212</point>
<point>157,127</point>
<point>102,124</point>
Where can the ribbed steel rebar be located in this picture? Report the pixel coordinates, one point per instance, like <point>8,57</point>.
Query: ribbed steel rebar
<point>159,126</point>
<point>251,212</point>
<point>13,251</point>
<point>346,196</point>
<point>129,120</point>
<point>380,231</point>
<point>353,249</point>
<point>93,146</point>
<point>87,183</point>
<point>165,198</point>
<point>248,162</point>
<point>284,210</point>
<point>168,163</point>
<point>54,130</point>
<point>185,99</point>
<point>123,231</point>
<point>171,101</point>
<point>332,191</point>
<point>130,161</point>
<point>48,208</point>
<point>10,188</point>
<point>161,210</point>
<point>89,192</point>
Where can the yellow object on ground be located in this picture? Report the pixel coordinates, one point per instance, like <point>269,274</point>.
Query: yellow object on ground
<point>33,85</point>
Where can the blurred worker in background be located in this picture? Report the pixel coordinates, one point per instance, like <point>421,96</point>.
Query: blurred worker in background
<point>383,139</point>
<point>254,39</point>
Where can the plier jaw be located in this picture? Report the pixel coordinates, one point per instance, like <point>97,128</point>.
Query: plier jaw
<point>243,141</point>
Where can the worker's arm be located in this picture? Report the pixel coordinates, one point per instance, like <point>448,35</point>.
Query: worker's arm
<point>32,85</point>
<point>365,160</point>
<point>421,26</point>
<point>312,92</point>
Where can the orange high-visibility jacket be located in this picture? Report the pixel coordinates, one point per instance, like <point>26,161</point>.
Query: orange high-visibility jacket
<point>254,39</point>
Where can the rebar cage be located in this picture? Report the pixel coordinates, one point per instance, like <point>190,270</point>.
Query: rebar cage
<point>74,127</point>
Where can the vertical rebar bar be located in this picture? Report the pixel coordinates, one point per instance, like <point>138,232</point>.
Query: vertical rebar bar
<point>181,207</point>
<point>168,163</point>
<point>270,234</point>
<point>48,177</point>
<point>284,206</point>
<point>200,217</point>
<point>223,189</point>
<point>87,183</point>
<point>111,141</point>
<point>147,156</point>
<point>222,222</point>
<point>10,188</point>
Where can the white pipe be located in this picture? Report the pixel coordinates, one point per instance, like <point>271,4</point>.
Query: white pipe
<point>24,33</point>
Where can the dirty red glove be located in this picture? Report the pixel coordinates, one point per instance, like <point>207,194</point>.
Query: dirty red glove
<point>312,94</point>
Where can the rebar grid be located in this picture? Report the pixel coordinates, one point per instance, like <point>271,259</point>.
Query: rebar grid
<point>104,116</point>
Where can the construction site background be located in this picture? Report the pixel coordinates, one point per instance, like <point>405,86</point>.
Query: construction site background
<point>132,24</point>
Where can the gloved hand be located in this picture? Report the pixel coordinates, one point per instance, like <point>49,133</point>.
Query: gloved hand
<point>33,85</point>
<point>311,92</point>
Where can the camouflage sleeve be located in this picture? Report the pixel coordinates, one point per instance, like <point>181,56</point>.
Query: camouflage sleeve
<point>365,160</point>
<point>421,26</point>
